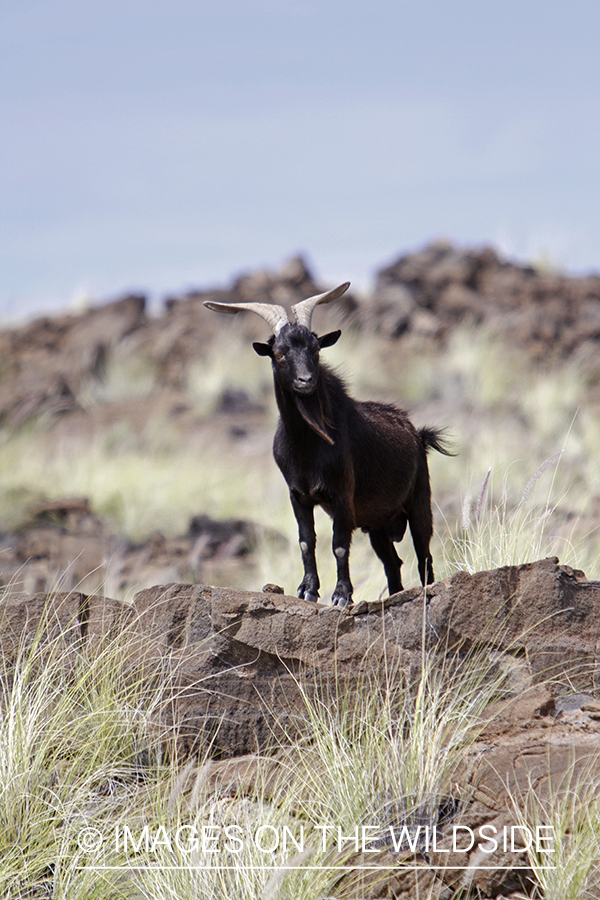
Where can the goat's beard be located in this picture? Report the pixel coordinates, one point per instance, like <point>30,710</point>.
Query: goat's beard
<point>317,427</point>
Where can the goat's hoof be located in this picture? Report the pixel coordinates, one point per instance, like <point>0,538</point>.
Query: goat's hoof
<point>342,601</point>
<point>311,596</point>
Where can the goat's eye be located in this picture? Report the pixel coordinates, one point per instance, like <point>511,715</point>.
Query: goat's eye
<point>279,356</point>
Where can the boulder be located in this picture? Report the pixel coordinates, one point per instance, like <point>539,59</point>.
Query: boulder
<point>243,653</point>
<point>547,611</point>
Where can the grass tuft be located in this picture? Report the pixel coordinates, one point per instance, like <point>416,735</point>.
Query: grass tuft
<point>77,734</point>
<point>505,532</point>
<point>566,863</point>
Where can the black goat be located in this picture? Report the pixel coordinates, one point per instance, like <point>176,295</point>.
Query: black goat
<point>365,463</point>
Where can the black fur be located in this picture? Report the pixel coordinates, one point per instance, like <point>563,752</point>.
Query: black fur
<point>365,463</point>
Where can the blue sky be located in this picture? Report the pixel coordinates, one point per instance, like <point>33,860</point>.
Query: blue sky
<point>157,146</point>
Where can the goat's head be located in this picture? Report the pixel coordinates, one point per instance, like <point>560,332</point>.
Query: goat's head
<point>294,352</point>
<point>293,348</point>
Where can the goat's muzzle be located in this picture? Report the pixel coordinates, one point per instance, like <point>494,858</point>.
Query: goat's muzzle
<point>305,385</point>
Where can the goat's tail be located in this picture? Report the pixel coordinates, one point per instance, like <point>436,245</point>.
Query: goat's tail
<point>435,438</point>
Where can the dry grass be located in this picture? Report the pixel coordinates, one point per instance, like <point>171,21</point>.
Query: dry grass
<point>566,867</point>
<point>82,765</point>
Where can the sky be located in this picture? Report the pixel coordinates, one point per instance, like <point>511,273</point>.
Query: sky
<point>159,146</point>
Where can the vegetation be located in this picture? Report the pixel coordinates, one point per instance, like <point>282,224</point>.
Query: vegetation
<point>95,803</point>
<point>74,728</point>
<point>569,867</point>
<point>84,749</point>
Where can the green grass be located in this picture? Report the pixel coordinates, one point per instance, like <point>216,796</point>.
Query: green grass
<point>384,755</point>
<point>138,482</point>
<point>376,757</point>
<point>507,531</point>
<point>82,755</point>
<point>127,376</point>
<point>234,366</point>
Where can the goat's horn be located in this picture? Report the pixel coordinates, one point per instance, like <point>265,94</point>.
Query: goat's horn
<point>275,316</point>
<point>303,311</point>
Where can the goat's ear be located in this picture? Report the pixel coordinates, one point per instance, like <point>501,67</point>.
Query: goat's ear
<point>263,349</point>
<point>328,340</point>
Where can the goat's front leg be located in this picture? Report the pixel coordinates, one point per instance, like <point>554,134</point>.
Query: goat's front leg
<point>343,526</point>
<point>309,586</point>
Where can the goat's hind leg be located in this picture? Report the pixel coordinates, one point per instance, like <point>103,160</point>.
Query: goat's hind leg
<point>308,588</point>
<point>425,561</point>
<point>383,546</point>
<point>421,529</point>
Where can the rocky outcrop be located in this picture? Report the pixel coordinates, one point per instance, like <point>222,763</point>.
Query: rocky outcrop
<point>240,663</point>
<point>429,292</point>
<point>239,655</point>
<point>43,364</point>
<point>541,619</point>
<point>253,653</point>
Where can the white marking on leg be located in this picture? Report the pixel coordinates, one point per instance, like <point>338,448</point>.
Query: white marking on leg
<point>340,552</point>
<point>303,546</point>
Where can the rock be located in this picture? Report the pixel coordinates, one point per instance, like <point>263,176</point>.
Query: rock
<point>235,403</point>
<point>432,290</point>
<point>72,616</point>
<point>552,611</point>
<point>61,545</point>
<point>45,362</point>
<point>291,283</point>
<point>243,657</point>
<point>242,662</point>
<point>249,650</point>
<point>232,537</point>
